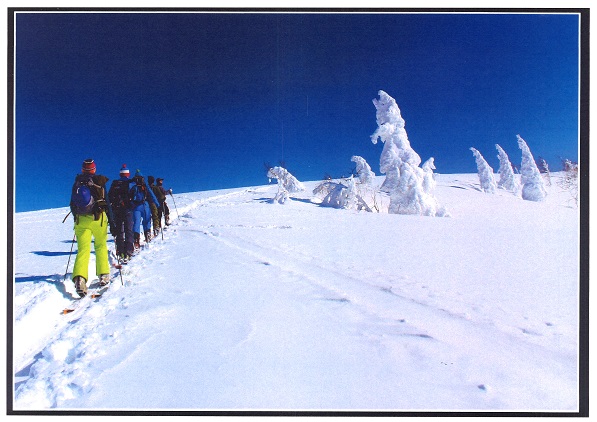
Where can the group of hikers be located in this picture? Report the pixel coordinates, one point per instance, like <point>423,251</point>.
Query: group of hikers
<point>130,205</point>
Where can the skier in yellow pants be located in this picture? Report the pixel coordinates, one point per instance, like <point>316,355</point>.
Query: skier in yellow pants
<point>88,205</point>
<point>84,230</point>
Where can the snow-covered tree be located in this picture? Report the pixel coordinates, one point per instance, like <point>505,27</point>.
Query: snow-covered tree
<point>366,175</point>
<point>343,194</point>
<point>508,180</point>
<point>532,182</point>
<point>429,165</point>
<point>410,186</point>
<point>411,195</point>
<point>429,177</point>
<point>391,131</point>
<point>544,169</point>
<point>287,183</point>
<point>569,180</point>
<point>485,172</point>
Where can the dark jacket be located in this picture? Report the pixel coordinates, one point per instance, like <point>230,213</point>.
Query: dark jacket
<point>119,195</point>
<point>159,193</point>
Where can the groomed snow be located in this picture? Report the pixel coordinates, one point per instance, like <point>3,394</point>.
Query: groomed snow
<point>249,305</point>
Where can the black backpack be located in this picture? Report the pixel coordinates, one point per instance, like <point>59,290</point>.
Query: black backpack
<point>86,196</point>
<point>138,193</point>
<point>119,195</point>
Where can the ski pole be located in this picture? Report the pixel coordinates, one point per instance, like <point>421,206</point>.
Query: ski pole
<point>161,226</point>
<point>69,255</point>
<point>66,216</point>
<point>120,271</point>
<point>175,204</point>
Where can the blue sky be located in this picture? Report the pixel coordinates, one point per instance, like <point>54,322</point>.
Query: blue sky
<point>203,100</point>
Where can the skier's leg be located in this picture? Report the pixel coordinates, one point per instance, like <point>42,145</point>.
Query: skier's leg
<point>166,213</point>
<point>120,236</point>
<point>100,234</point>
<point>137,215</point>
<point>129,237</point>
<point>147,218</point>
<point>83,234</point>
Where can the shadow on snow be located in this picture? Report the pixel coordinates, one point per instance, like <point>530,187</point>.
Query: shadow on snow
<point>54,279</point>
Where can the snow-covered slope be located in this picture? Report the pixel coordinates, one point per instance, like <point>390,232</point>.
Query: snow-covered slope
<point>246,304</point>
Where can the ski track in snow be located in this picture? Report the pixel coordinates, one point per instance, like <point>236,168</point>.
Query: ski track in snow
<point>405,320</point>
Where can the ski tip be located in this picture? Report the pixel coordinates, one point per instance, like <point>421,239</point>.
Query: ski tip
<point>67,311</point>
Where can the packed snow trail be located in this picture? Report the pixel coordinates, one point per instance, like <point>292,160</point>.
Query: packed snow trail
<point>250,305</point>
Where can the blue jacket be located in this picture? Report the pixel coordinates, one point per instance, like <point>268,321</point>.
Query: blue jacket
<point>151,197</point>
<point>148,198</point>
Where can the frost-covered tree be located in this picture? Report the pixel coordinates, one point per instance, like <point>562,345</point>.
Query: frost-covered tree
<point>429,165</point>
<point>508,180</point>
<point>410,186</point>
<point>343,194</point>
<point>391,131</point>
<point>532,182</point>
<point>569,180</point>
<point>485,172</point>
<point>429,177</point>
<point>411,196</point>
<point>544,169</point>
<point>366,175</point>
<point>287,183</point>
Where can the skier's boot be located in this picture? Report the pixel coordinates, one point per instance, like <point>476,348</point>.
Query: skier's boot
<point>167,218</point>
<point>147,236</point>
<point>104,279</point>
<point>137,242</point>
<point>80,285</point>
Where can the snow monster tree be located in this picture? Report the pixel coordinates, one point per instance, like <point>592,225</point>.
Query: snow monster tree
<point>532,182</point>
<point>508,180</point>
<point>406,182</point>
<point>287,184</point>
<point>485,172</point>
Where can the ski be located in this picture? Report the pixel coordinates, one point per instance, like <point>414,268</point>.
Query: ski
<point>99,291</point>
<point>75,304</point>
<point>94,292</point>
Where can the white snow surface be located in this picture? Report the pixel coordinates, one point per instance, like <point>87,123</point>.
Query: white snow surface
<point>249,305</point>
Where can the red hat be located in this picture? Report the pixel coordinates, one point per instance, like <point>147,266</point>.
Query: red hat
<point>88,166</point>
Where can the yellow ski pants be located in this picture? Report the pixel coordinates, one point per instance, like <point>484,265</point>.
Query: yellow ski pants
<point>85,229</point>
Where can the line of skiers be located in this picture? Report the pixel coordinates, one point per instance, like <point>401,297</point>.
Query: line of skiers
<point>130,205</point>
